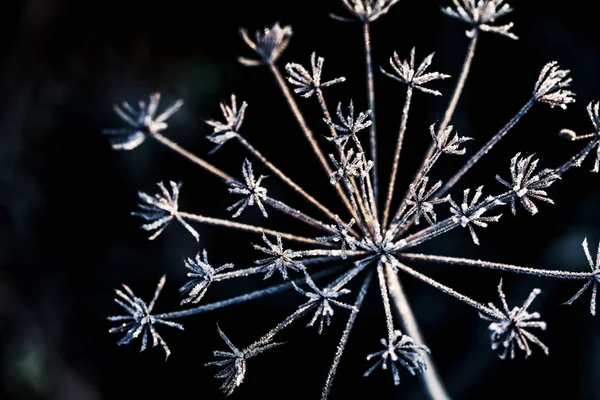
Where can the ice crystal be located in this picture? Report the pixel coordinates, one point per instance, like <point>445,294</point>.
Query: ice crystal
<point>142,122</point>
<point>404,71</point>
<point>201,275</point>
<point>140,320</point>
<point>250,189</point>
<point>376,240</point>
<point>399,350</point>
<point>510,327</point>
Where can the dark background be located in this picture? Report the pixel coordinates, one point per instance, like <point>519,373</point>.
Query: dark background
<point>65,197</point>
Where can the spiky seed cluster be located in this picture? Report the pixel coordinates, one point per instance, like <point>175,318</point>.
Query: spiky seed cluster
<point>234,362</point>
<point>527,184</point>
<point>445,144</point>
<point>201,275</point>
<point>307,83</point>
<point>251,190</point>
<point>511,327</point>
<point>160,209</point>
<point>400,350</point>
<point>349,126</point>
<point>139,319</point>
<point>404,71</point>
<point>471,213</point>
<point>142,122</point>
<point>482,15</point>
<point>551,84</point>
<point>366,10</point>
<point>421,201</point>
<point>268,44</point>
<point>341,236</point>
<point>224,131</point>
<point>349,166</point>
<point>593,280</point>
<point>279,259</point>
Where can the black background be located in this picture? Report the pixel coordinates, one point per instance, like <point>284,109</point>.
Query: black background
<point>68,239</point>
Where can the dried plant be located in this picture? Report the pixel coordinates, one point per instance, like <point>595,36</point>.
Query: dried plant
<point>379,235</point>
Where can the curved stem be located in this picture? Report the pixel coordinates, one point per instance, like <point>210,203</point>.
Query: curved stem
<point>430,377</point>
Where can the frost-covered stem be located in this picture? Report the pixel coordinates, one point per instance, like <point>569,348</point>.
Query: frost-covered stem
<point>458,89</point>
<point>403,122</point>
<point>192,157</point>
<point>297,214</point>
<point>343,280</point>
<point>370,200</point>
<point>248,228</point>
<point>243,298</point>
<point>389,320</point>
<point>286,322</point>
<point>486,148</point>
<point>445,289</point>
<point>576,160</point>
<point>371,99</point>
<point>497,266</point>
<point>284,177</point>
<point>430,377</point>
<point>448,224</point>
<point>240,273</point>
<point>344,339</point>
<point>327,253</point>
<point>307,132</point>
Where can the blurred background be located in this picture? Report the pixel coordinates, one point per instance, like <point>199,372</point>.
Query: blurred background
<point>65,197</point>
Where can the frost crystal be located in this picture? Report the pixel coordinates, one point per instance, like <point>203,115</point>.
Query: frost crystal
<point>404,71</point>
<point>268,44</point>
<point>341,235</point>
<point>223,132</point>
<point>140,320</point>
<point>511,326</point>
<point>279,259</point>
<point>160,210</point>
<point>400,350</point>
<point>551,84</point>
<point>309,84</point>
<point>481,15</point>
<point>348,125</point>
<point>142,122</point>
<point>527,184</point>
<point>201,275</point>
<point>469,214</point>
<point>593,280</point>
<point>251,190</point>
<point>421,202</point>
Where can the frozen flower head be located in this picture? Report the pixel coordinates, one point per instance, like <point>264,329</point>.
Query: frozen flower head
<point>279,259</point>
<point>527,184</point>
<point>593,280</point>
<point>142,122</point>
<point>268,44</point>
<point>404,71</point>
<point>421,201</point>
<point>471,213</point>
<point>341,235</point>
<point>160,209</point>
<point>481,15</point>
<point>366,10</point>
<point>399,350</point>
<point>322,299</point>
<point>510,327</point>
<point>139,319</point>
<point>224,131</point>
<point>551,84</point>
<point>250,189</point>
<point>308,83</point>
<point>348,167</point>
<point>348,126</point>
<point>201,275</point>
<point>447,144</point>
<point>234,361</point>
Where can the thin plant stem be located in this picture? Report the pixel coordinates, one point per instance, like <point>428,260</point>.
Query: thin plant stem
<point>383,288</point>
<point>430,377</point>
<point>371,99</point>
<point>298,214</point>
<point>576,160</point>
<point>345,335</point>
<point>308,133</point>
<point>248,228</point>
<point>497,266</point>
<point>403,124</point>
<point>245,297</point>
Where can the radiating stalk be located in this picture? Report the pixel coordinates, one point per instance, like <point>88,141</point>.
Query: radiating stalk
<point>497,266</point>
<point>298,214</point>
<point>371,99</point>
<point>430,377</point>
<point>577,159</point>
<point>249,228</point>
<point>344,339</point>
<point>403,123</point>
<point>383,288</point>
